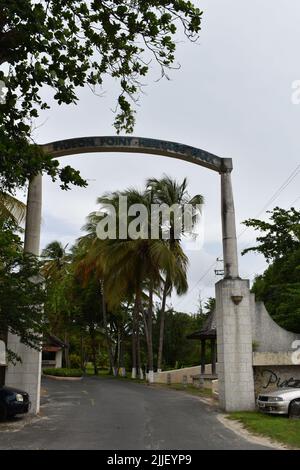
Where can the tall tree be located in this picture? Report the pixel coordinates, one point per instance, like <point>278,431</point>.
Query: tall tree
<point>280,235</point>
<point>55,269</point>
<point>64,45</point>
<point>21,289</point>
<point>279,285</point>
<point>167,191</point>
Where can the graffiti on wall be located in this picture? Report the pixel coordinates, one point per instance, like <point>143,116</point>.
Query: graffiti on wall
<point>273,379</point>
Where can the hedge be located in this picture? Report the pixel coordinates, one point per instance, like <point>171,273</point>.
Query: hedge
<point>63,372</point>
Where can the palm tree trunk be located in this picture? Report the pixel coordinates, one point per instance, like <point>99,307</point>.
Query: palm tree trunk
<point>139,362</point>
<point>149,340</point>
<point>106,332</point>
<point>82,364</point>
<point>94,350</point>
<point>121,357</point>
<point>66,351</point>
<point>162,326</point>
<point>134,333</point>
<point>116,355</point>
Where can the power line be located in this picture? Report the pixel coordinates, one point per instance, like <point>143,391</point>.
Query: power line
<point>277,193</point>
<point>197,283</point>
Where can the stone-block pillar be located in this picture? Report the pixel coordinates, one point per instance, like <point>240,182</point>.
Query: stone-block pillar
<point>234,340</point>
<point>27,374</point>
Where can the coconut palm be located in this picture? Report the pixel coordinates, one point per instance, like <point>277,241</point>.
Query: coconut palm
<point>55,259</point>
<point>169,192</point>
<point>11,207</point>
<point>55,270</point>
<point>132,264</point>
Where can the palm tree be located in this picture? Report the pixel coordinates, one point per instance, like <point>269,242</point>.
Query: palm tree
<point>168,191</point>
<point>56,259</point>
<point>55,270</point>
<point>133,264</point>
<point>133,268</point>
<point>11,207</point>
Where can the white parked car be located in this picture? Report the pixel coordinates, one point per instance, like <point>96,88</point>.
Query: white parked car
<point>280,401</point>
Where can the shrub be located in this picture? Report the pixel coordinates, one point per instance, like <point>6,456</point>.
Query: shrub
<point>75,361</point>
<point>63,372</point>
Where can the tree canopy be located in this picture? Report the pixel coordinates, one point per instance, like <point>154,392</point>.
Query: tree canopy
<point>21,289</point>
<point>63,45</point>
<point>281,235</point>
<point>279,285</point>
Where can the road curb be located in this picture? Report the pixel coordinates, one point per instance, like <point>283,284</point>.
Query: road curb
<point>55,377</point>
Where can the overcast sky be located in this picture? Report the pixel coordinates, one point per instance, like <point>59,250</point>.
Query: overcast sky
<point>232,97</point>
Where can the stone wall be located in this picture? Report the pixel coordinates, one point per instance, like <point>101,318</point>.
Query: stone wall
<point>176,375</point>
<point>267,334</point>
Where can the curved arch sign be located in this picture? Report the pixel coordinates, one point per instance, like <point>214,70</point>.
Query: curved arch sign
<point>138,145</point>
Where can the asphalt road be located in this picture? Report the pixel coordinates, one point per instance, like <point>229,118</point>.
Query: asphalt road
<point>120,415</point>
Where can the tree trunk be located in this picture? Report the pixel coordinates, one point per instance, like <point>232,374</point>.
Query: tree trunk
<point>94,350</point>
<point>116,355</point>
<point>121,356</point>
<point>162,326</point>
<point>107,337</point>
<point>149,339</point>
<point>134,332</point>
<point>82,362</point>
<point>139,362</point>
<point>66,351</point>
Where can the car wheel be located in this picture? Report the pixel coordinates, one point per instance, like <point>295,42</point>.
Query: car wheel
<point>3,413</point>
<point>294,409</point>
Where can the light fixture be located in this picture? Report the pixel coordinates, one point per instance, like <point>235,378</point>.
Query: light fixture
<point>236,299</point>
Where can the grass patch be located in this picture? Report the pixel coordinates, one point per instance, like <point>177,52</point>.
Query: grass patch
<point>63,372</point>
<point>278,428</point>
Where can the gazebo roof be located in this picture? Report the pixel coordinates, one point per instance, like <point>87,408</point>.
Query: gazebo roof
<point>53,341</point>
<point>209,329</point>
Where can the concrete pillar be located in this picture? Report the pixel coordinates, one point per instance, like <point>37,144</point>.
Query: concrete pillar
<point>33,216</point>
<point>228,227</point>
<point>27,375</point>
<point>234,339</point>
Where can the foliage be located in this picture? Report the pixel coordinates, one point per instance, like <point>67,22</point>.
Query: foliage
<point>10,207</point>
<point>178,350</point>
<point>75,361</point>
<point>63,372</point>
<point>102,293</point>
<point>279,286</point>
<point>21,289</point>
<point>281,235</point>
<point>64,45</point>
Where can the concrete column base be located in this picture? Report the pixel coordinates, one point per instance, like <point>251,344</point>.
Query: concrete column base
<point>25,375</point>
<point>234,341</point>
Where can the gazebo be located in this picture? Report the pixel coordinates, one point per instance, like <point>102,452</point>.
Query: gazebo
<point>207,333</point>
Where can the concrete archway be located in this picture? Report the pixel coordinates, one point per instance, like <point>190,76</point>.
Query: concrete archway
<point>236,387</point>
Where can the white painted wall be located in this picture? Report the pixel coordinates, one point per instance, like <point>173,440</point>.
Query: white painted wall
<point>58,359</point>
